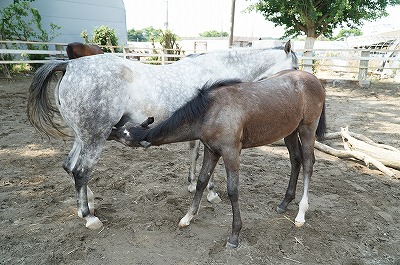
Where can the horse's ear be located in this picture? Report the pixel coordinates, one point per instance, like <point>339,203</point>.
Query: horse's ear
<point>288,47</point>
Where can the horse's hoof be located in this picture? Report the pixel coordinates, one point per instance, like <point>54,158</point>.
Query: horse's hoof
<point>280,210</point>
<point>298,224</point>
<point>213,198</point>
<point>93,222</point>
<point>192,187</point>
<point>229,245</point>
<point>183,224</point>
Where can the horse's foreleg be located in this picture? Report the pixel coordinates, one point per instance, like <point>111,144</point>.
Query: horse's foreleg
<point>294,147</point>
<point>194,147</point>
<point>209,161</point>
<point>307,137</point>
<point>232,163</point>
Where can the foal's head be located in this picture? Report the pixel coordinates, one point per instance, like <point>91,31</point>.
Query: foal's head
<point>124,133</point>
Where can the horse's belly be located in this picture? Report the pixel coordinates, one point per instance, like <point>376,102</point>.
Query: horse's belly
<point>258,134</point>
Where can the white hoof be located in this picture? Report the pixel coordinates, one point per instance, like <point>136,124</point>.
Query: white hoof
<point>92,222</point>
<point>185,221</point>
<point>212,197</point>
<point>299,222</point>
<point>192,187</point>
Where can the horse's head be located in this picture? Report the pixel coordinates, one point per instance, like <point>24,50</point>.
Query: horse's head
<point>278,59</point>
<point>291,55</point>
<point>124,135</point>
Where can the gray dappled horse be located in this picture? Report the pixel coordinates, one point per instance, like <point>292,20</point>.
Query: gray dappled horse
<point>98,94</point>
<point>230,116</point>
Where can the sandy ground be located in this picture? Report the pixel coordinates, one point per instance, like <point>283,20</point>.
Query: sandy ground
<point>354,215</point>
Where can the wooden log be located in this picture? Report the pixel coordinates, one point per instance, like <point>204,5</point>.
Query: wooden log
<point>387,157</point>
<point>368,160</point>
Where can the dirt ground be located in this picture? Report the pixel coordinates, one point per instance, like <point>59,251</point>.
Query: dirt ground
<point>354,215</point>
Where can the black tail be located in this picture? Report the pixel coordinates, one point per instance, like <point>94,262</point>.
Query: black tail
<point>40,110</point>
<point>321,129</point>
<point>192,111</point>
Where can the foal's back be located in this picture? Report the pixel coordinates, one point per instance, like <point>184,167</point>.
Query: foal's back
<point>259,113</point>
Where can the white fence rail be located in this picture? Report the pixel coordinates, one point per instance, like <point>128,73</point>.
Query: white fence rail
<point>359,64</point>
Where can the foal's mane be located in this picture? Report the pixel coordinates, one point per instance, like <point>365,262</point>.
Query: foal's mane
<point>192,111</point>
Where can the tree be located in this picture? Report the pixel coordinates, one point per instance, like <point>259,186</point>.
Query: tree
<point>214,33</point>
<point>146,34</point>
<point>168,42</point>
<point>316,17</point>
<point>102,36</point>
<point>345,33</point>
<point>135,35</point>
<point>20,21</point>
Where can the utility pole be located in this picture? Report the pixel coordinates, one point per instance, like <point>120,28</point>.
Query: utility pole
<point>232,23</point>
<point>166,15</point>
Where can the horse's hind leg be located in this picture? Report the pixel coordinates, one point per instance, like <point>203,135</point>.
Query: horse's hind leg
<point>293,145</point>
<point>79,164</point>
<point>307,137</point>
<point>212,195</point>
<point>194,147</point>
<point>209,161</point>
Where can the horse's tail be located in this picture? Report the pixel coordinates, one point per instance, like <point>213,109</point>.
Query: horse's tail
<point>40,109</point>
<point>321,128</point>
<point>191,112</point>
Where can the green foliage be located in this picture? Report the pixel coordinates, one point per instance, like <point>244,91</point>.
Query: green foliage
<point>345,33</point>
<point>168,42</point>
<point>102,36</point>
<point>317,17</point>
<point>213,33</point>
<point>143,35</point>
<point>20,21</point>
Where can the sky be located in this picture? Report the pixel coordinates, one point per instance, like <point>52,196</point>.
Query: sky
<point>188,18</point>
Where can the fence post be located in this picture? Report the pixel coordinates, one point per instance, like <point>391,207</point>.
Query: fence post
<point>59,48</point>
<point>162,56</point>
<point>363,70</point>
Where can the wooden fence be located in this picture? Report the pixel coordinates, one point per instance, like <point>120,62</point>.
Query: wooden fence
<point>358,64</point>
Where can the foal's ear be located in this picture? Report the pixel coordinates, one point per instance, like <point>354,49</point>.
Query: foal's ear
<point>147,122</point>
<point>288,47</point>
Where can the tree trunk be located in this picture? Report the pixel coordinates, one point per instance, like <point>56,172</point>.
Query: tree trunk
<point>309,45</point>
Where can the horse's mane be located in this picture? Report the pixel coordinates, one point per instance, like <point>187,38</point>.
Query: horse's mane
<point>193,110</point>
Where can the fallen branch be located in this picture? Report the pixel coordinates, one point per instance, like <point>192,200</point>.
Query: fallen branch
<point>362,148</point>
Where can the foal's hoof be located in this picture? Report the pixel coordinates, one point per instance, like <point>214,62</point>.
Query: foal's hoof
<point>298,224</point>
<point>92,222</point>
<point>230,245</point>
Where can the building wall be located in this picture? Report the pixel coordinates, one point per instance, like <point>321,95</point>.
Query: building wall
<point>74,16</point>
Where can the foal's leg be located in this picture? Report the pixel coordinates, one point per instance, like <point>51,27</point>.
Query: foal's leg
<point>232,164</point>
<point>307,137</point>
<point>209,161</point>
<point>293,145</point>
<point>212,195</point>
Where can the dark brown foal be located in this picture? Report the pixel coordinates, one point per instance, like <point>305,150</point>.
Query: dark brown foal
<point>229,116</point>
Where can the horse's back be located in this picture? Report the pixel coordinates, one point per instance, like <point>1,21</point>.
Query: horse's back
<point>267,110</point>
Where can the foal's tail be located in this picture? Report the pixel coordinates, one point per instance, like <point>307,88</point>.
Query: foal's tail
<point>321,129</point>
<point>40,109</point>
